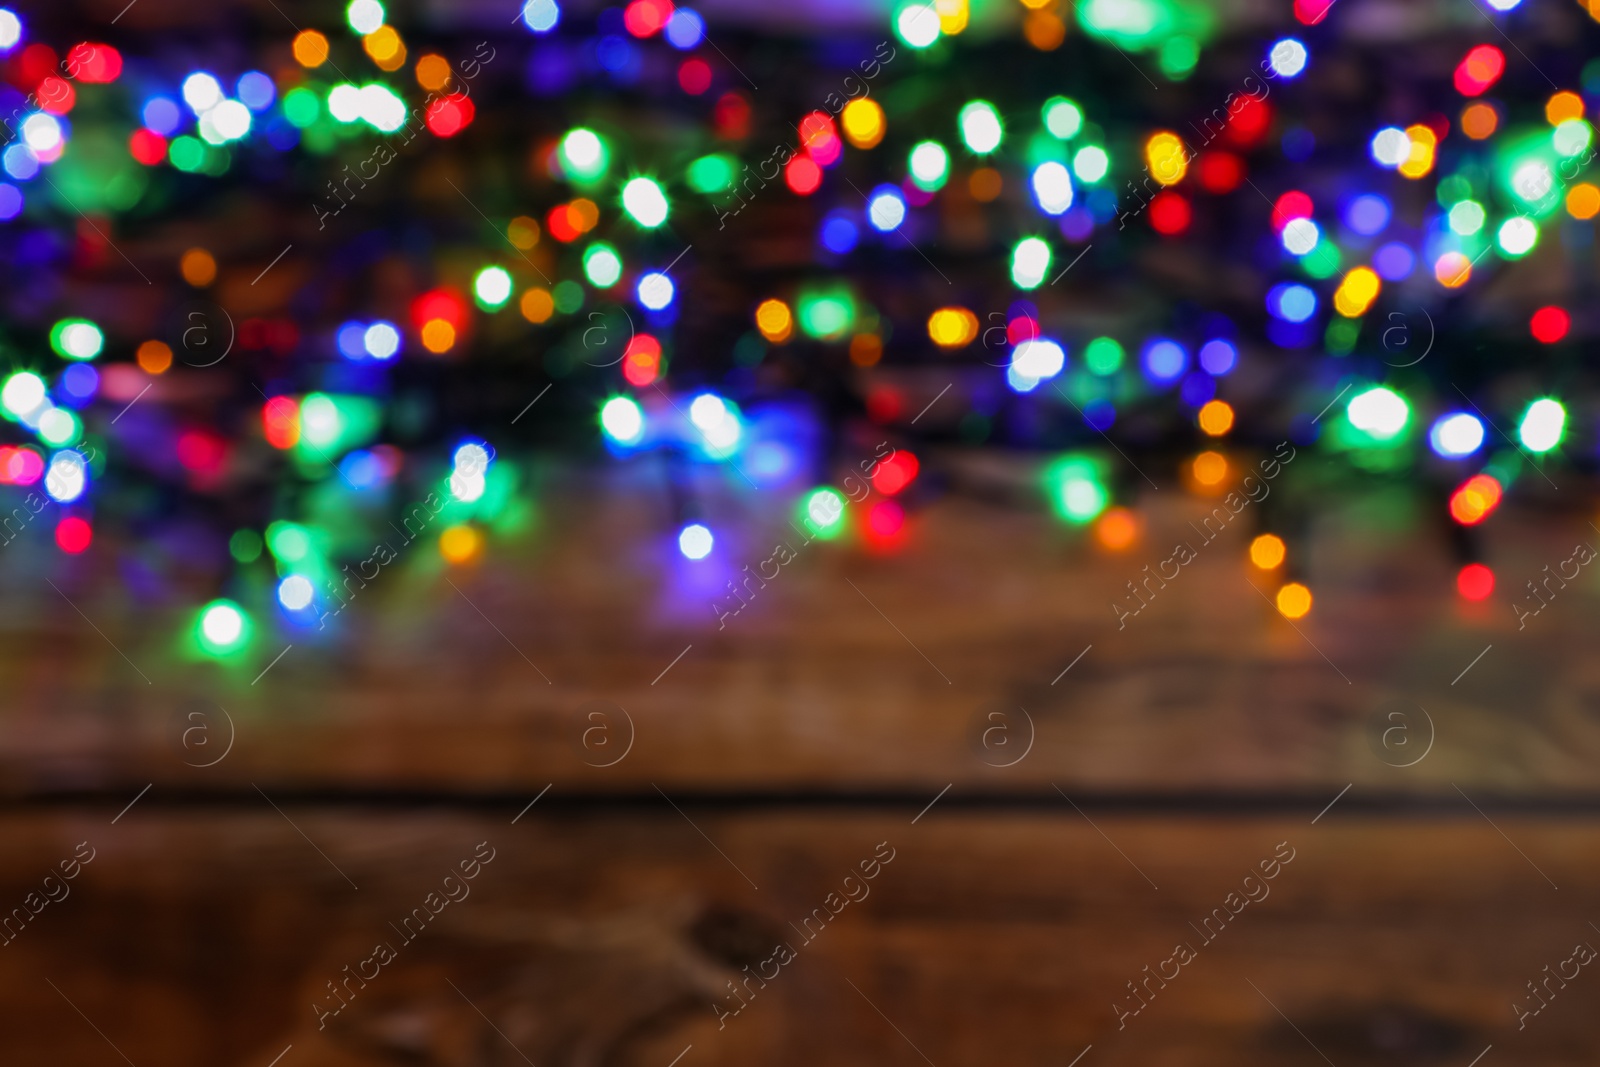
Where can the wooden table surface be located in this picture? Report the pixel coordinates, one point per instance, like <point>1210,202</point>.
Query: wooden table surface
<point>1063,799</point>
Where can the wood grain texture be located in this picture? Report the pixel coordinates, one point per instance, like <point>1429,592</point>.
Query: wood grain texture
<point>605,938</point>
<point>851,670</point>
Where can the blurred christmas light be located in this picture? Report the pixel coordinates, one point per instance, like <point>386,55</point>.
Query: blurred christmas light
<point>1379,412</point>
<point>981,129</point>
<point>1542,425</point>
<point>1456,434</point>
<point>644,202</point>
<point>695,541</point>
<point>622,420</point>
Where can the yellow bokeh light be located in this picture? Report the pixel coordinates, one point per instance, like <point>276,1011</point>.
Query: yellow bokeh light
<point>952,327</point>
<point>1216,418</point>
<point>1294,600</point>
<point>523,232</point>
<point>1453,270</point>
<point>1583,201</point>
<point>537,306</point>
<point>198,267</point>
<point>433,72</point>
<point>1117,529</point>
<point>1479,121</point>
<point>154,357</point>
<point>310,48</point>
<point>438,335</point>
<point>952,15</point>
<point>1166,158</point>
<point>774,320</point>
<point>984,184</point>
<point>1044,30</point>
<point>866,349</point>
<point>1357,292</point>
<point>1420,161</point>
<point>863,122</point>
<point>1563,106</point>
<point>460,544</point>
<point>1210,468</point>
<point>385,47</point>
<point>1267,551</point>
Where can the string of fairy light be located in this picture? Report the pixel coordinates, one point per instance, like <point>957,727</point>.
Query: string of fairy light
<point>1511,179</point>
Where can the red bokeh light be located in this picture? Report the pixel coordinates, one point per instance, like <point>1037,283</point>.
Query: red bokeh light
<point>1220,172</point>
<point>803,175</point>
<point>443,304</point>
<point>73,535</point>
<point>56,96</point>
<point>94,63</point>
<point>816,131</point>
<point>732,116</point>
<point>1550,324</point>
<point>886,518</point>
<point>1290,206</point>
<point>1480,69</point>
<point>200,451</point>
<point>694,76</point>
<point>884,403</point>
<point>644,18</point>
<point>279,335</point>
<point>1250,122</point>
<point>148,147</point>
<point>895,473</point>
<point>280,420</point>
<point>449,115</point>
<point>1169,214</point>
<point>1022,328</point>
<point>1311,12</point>
<point>37,62</point>
<point>1475,581</point>
<point>641,360</point>
<point>562,226</point>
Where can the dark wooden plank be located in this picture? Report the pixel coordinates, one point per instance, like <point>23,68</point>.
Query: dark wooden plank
<point>607,937</point>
